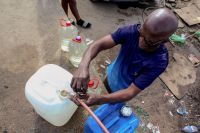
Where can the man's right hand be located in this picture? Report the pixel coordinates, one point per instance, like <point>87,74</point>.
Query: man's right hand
<point>80,80</point>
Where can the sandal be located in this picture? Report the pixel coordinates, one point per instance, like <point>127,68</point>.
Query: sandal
<point>83,23</point>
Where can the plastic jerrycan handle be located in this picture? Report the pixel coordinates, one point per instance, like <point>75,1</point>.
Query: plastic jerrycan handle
<point>93,83</point>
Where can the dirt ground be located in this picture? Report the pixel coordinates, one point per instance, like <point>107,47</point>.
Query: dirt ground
<point>29,38</point>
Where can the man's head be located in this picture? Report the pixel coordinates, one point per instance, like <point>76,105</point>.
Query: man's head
<point>157,28</point>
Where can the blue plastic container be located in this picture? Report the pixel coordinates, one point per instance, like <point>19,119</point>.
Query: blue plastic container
<point>110,116</point>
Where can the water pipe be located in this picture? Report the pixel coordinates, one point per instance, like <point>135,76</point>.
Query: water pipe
<point>64,94</point>
<point>93,115</point>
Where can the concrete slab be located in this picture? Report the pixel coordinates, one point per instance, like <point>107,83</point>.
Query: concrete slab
<point>29,38</point>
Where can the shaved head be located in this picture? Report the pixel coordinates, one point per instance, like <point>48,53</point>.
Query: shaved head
<point>161,22</point>
<point>157,28</point>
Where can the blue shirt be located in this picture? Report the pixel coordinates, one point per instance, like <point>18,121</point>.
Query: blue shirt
<point>134,65</point>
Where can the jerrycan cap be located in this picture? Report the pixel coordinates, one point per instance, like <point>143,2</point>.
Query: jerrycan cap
<point>68,23</point>
<point>93,83</point>
<point>64,94</point>
<point>126,111</point>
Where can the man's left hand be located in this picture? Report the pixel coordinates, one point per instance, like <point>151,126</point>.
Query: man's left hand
<point>93,99</point>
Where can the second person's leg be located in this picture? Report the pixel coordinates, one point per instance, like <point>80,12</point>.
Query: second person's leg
<point>64,4</point>
<point>73,7</point>
<point>80,22</point>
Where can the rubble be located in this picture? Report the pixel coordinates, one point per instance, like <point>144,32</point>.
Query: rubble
<point>195,61</point>
<point>171,1</point>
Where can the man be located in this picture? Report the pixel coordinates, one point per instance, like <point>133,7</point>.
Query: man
<point>73,6</point>
<point>142,58</point>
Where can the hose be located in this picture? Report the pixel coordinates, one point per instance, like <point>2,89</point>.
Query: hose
<point>93,115</point>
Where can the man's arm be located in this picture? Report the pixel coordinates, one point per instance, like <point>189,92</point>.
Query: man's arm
<point>81,76</point>
<point>119,96</point>
<point>140,83</point>
<point>92,51</point>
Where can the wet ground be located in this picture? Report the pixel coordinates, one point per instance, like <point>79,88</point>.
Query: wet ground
<point>29,38</point>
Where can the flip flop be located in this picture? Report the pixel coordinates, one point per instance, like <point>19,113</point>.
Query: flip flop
<point>83,23</point>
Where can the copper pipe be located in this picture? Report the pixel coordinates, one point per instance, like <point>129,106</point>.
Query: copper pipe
<point>93,115</point>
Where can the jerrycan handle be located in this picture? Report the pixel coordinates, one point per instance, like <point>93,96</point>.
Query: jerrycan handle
<point>93,83</point>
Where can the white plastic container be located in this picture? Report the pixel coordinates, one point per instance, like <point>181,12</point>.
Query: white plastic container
<point>76,50</point>
<point>67,33</point>
<point>42,91</point>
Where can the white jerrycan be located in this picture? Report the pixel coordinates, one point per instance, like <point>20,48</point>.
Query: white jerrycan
<point>42,91</point>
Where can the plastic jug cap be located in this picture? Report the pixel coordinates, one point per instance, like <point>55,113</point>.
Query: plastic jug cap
<point>91,83</point>
<point>126,111</point>
<point>78,38</point>
<point>68,23</point>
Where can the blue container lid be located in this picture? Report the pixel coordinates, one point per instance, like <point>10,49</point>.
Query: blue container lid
<point>112,118</point>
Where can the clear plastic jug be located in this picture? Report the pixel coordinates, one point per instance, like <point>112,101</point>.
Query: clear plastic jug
<point>76,50</point>
<point>93,86</point>
<point>67,33</point>
<point>43,92</point>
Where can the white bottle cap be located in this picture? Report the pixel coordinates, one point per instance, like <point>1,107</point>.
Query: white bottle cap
<point>68,23</point>
<point>126,111</point>
<point>78,38</point>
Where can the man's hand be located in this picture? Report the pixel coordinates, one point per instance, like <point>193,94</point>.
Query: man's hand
<point>93,99</point>
<point>74,99</point>
<point>80,80</point>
